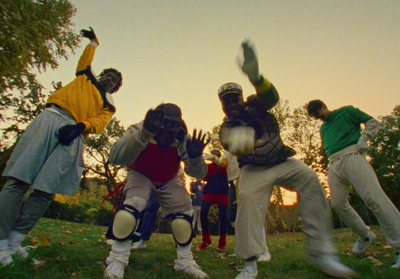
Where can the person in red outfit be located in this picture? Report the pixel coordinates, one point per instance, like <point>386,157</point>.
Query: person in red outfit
<point>215,192</point>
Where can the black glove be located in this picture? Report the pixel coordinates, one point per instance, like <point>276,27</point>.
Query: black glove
<point>196,144</point>
<point>152,120</point>
<point>88,33</point>
<point>67,134</point>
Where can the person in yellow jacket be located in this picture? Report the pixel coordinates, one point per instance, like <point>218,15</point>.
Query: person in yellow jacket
<point>48,156</point>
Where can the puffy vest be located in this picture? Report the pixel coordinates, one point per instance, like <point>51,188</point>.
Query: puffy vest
<point>269,148</point>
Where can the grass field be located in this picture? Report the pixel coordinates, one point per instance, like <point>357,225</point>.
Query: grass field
<point>71,250</point>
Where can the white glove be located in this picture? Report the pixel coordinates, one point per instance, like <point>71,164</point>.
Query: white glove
<point>241,140</point>
<point>249,65</point>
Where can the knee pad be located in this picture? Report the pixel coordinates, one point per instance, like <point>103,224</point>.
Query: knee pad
<point>124,224</point>
<point>182,229</point>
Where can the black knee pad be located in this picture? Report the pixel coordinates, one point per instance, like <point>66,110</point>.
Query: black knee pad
<point>124,224</point>
<point>182,229</point>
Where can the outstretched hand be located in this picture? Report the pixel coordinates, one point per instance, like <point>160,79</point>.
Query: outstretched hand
<point>249,64</point>
<point>88,33</point>
<point>196,144</point>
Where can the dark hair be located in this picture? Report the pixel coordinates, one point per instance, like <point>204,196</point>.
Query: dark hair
<point>119,84</point>
<point>314,106</point>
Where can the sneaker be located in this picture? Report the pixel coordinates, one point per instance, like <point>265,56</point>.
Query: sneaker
<point>139,245</point>
<point>114,270</point>
<point>266,257</point>
<point>362,244</point>
<point>397,262</point>
<point>247,272</point>
<point>332,266</point>
<point>190,267</point>
<point>22,251</point>
<point>5,257</point>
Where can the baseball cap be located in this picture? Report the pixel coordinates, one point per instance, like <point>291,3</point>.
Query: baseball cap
<point>230,88</point>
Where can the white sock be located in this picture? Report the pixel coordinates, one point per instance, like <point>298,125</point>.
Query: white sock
<point>16,239</point>
<point>184,252</point>
<point>252,263</point>
<point>4,244</point>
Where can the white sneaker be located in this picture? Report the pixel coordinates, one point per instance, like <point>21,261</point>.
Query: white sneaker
<point>396,262</point>
<point>361,244</point>
<point>332,266</point>
<point>5,257</point>
<point>114,270</point>
<point>247,272</point>
<point>139,245</point>
<point>22,251</point>
<point>266,257</point>
<point>190,267</point>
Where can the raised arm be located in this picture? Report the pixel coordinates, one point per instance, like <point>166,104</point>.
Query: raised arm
<point>86,58</point>
<point>266,92</point>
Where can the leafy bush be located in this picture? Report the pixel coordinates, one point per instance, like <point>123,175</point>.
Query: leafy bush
<point>87,211</point>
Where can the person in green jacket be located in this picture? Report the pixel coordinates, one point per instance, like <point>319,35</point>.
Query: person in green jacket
<point>346,145</point>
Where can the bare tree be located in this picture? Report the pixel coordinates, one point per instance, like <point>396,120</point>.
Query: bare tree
<point>97,150</point>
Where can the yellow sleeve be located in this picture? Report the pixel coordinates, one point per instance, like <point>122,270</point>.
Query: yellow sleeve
<point>267,93</point>
<point>97,124</point>
<point>86,58</point>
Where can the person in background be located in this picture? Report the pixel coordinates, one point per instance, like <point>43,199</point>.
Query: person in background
<point>346,145</point>
<point>196,188</point>
<point>215,192</point>
<point>251,133</point>
<point>153,151</point>
<point>48,155</point>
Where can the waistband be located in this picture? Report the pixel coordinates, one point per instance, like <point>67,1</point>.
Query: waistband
<point>352,149</point>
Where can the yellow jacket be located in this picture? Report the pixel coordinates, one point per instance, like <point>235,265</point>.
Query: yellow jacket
<point>82,99</point>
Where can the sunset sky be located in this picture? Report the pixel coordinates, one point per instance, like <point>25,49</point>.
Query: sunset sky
<point>343,52</point>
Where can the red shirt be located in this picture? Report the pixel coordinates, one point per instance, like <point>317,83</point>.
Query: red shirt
<point>159,164</point>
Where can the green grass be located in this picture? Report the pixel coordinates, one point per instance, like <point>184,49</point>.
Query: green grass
<point>71,250</point>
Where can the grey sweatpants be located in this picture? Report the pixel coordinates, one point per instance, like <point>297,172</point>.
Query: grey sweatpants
<point>255,187</point>
<point>173,196</point>
<point>19,216</point>
<point>348,167</point>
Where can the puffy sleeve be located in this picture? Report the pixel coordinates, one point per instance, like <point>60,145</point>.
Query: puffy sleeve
<point>125,150</point>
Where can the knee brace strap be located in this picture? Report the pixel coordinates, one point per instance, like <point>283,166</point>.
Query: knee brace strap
<point>182,229</point>
<point>124,223</point>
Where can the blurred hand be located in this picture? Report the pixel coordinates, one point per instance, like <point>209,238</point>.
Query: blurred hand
<point>241,140</point>
<point>88,33</point>
<point>196,144</point>
<point>249,65</point>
